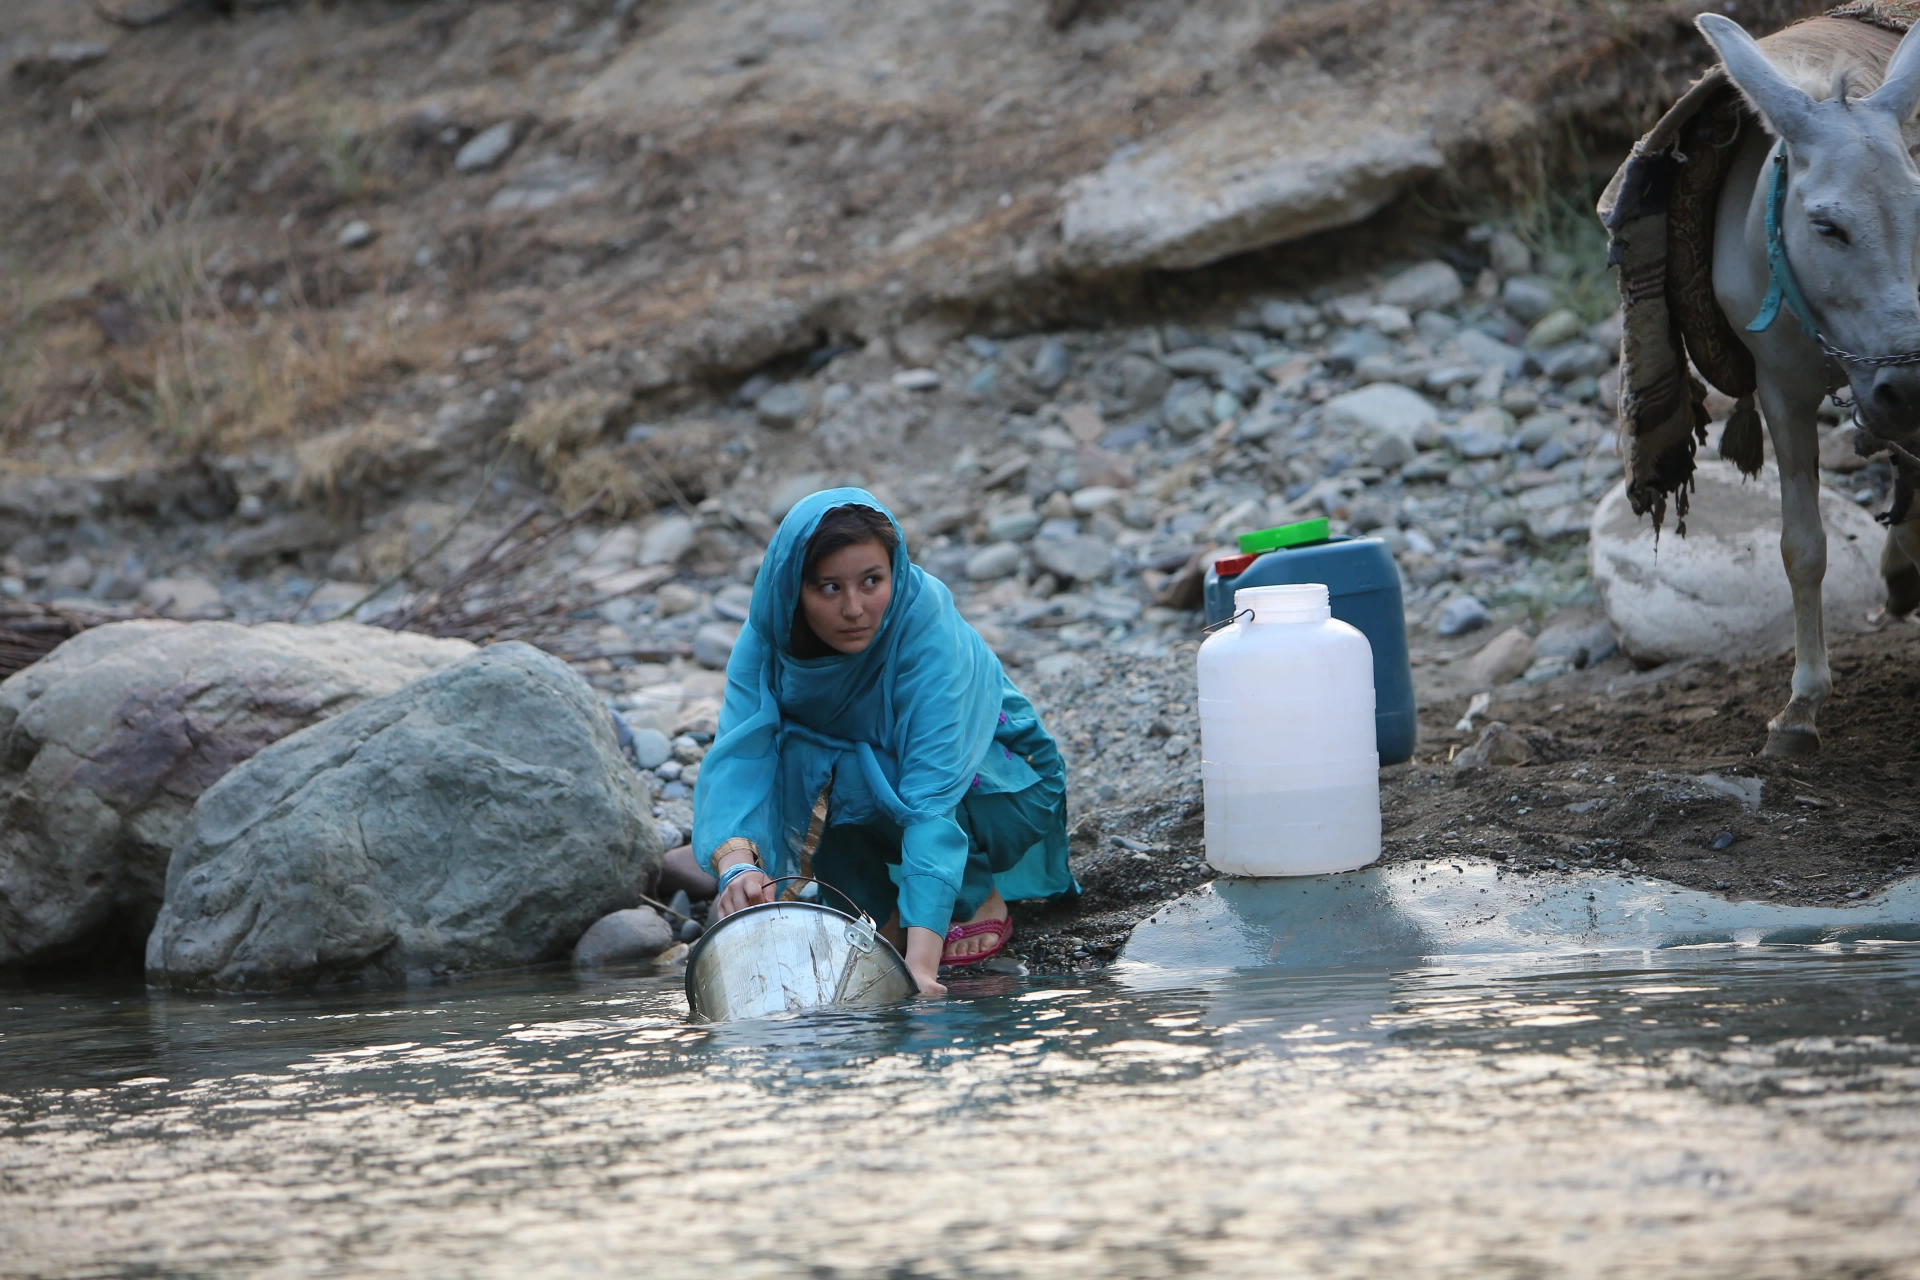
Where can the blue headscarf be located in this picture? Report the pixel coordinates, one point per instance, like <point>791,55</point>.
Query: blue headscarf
<point>901,726</point>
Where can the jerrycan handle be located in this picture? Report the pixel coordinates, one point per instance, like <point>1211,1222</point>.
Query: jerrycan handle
<point>1212,627</point>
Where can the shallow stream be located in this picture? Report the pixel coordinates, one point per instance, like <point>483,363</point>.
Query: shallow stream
<point>1711,1111</point>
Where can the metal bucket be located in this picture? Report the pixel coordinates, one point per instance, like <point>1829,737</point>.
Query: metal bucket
<point>784,956</point>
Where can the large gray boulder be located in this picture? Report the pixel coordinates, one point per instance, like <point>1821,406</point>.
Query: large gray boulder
<point>1225,187</point>
<point>106,743</point>
<point>480,818</point>
<point>1721,592</point>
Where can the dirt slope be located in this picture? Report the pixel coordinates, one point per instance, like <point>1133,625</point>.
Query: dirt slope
<point>695,188</point>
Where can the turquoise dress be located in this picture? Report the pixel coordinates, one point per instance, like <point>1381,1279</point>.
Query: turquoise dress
<point>944,783</point>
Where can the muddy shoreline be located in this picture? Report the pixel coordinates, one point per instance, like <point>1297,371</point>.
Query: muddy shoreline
<point>1618,789</point>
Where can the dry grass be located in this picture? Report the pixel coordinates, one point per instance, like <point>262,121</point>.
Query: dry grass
<point>350,156</point>
<point>678,466</point>
<point>603,470</point>
<point>552,431</point>
<point>336,464</point>
<point>154,331</point>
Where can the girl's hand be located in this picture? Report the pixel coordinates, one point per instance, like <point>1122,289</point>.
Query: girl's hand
<point>749,889</point>
<point>923,960</point>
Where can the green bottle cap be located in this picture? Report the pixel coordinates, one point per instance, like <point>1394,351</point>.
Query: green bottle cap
<point>1286,535</point>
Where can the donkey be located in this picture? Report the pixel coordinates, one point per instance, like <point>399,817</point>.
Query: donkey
<point>1822,213</point>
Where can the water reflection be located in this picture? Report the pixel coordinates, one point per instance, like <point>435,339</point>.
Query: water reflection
<point>1716,1110</point>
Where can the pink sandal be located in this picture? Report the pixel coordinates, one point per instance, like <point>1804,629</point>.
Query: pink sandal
<point>1003,929</point>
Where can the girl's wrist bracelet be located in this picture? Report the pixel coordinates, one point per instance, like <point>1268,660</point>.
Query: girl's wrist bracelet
<point>733,873</point>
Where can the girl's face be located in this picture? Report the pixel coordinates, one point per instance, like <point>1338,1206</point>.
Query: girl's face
<point>848,595</point>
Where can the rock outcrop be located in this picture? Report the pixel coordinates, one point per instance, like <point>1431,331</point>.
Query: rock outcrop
<point>1720,592</point>
<point>1226,188</point>
<point>106,743</point>
<point>480,818</point>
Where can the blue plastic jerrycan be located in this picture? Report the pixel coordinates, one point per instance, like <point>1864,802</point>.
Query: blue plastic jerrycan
<point>1364,586</point>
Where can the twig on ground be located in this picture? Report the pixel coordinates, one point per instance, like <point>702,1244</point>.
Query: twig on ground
<point>30,631</point>
<point>530,616</point>
<point>658,905</point>
<point>486,483</point>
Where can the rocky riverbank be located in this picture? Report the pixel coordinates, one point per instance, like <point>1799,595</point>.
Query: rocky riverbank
<point>539,335</point>
<point>1069,487</point>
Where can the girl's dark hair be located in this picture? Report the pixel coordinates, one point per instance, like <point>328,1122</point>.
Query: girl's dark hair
<point>840,528</point>
<point>846,527</point>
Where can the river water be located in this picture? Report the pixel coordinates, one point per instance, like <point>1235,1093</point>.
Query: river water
<point>1716,1111</point>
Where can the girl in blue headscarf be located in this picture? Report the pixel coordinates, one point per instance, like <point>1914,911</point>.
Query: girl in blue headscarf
<point>856,678</point>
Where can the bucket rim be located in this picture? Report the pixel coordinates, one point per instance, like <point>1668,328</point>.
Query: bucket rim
<point>700,943</point>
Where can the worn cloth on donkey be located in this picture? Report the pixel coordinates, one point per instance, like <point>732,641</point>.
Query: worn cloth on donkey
<point>1659,212</point>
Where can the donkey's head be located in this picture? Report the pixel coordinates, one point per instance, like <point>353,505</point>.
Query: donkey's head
<point>1851,218</point>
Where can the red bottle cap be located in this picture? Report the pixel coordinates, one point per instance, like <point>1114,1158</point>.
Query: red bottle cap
<point>1232,566</point>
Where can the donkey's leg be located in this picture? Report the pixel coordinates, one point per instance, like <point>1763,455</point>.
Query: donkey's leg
<point>1900,566</point>
<point>1790,413</point>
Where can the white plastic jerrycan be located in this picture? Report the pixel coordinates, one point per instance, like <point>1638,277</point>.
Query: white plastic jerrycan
<point>1288,755</point>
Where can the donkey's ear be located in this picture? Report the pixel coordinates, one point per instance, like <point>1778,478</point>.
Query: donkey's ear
<point>1900,91</point>
<point>1781,104</point>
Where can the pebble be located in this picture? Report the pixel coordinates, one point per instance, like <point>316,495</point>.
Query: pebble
<point>917,379</point>
<point>1473,442</point>
<point>72,574</point>
<point>1206,362</point>
<point>1096,498</point>
<point>1380,408</point>
<point>624,937</point>
<point>651,748</point>
<point>1051,365</point>
<point>485,149</point>
<point>1575,360</point>
<point>673,599</point>
<point>1540,428</point>
<point>1580,643</point>
<point>1508,255</point>
<point>667,540</point>
<point>1527,298</point>
<point>792,490</point>
<point>1555,328</point>
<point>1188,410</point>
<point>183,597</point>
<point>1461,615</point>
<point>713,644</point>
<point>121,583</point>
<point>1353,346</point>
<point>1390,453</point>
<point>1505,657</point>
<point>1013,526</point>
<point>1488,351</point>
<point>1429,286</point>
<point>732,601</point>
<point>355,234</point>
<point>782,406</point>
<point>995,561</point>
<point>1073,555</point>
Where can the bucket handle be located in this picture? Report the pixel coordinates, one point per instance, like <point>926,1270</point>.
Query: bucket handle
<point>861,930</point>
<point>792,894</point>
